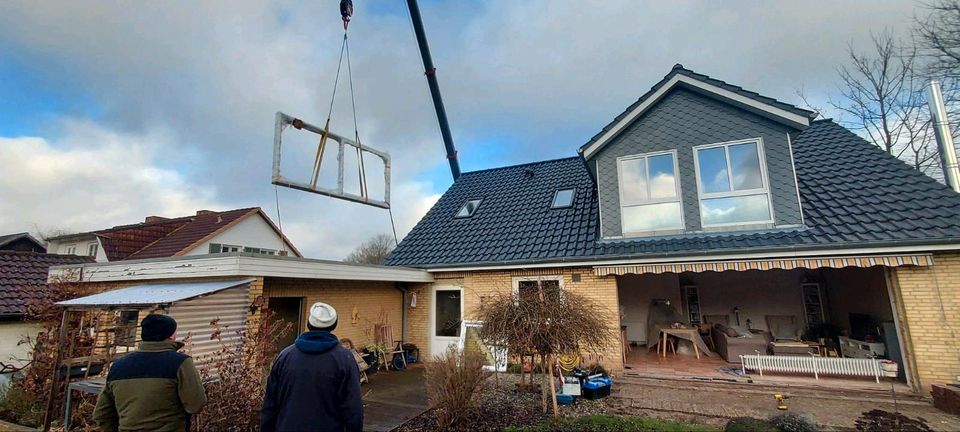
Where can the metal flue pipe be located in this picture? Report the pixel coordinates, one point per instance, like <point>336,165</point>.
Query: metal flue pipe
<point>941,128</point>
<point>431,73</point>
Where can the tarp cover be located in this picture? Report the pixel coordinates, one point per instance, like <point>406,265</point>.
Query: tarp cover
<point>152,294</point>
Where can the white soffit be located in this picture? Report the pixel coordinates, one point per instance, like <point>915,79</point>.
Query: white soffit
<point>693,82</point>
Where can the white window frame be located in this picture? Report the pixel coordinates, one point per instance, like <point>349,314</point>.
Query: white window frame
<point>678,199</point>
<point>93,249</point>
<point>765,190</point>
<point>233,248</point>
<point>70,249</point>
<point>573,197</point>
<point>518,279</point>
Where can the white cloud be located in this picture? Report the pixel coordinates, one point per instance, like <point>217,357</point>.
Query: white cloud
<point>90,178</point>
<point>190,90</point>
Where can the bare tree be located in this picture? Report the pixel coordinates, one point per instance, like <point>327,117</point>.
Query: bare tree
<point>938,36</point>
<point>883,97</point>
<point>372,251</point>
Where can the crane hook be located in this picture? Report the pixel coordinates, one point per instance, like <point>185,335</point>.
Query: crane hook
<point>346,11</point>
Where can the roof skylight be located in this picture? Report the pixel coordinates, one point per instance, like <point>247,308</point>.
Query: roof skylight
<point>469,208</point>
<point>563,198</point>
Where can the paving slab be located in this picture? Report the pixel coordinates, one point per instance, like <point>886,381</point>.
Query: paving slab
<point>393,397</point>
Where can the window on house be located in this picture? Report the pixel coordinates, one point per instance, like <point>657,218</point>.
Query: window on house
<point>223,248</point>
<point>732,184</point>
<point>260,251</point>
<point>92,249</point>
<point>563,198</point>
<point>469,208</point>
<point>530,289</point>
<point>70,250</point>
<point>649,193</point>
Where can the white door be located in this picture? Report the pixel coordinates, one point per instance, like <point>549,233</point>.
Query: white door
<point>446,319</point>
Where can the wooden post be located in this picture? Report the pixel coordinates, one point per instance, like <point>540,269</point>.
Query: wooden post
<point>553,385</point>
<point>55,381</point>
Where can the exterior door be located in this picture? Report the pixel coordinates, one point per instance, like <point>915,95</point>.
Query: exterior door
<point>446,319</point>
<point>288,310</point>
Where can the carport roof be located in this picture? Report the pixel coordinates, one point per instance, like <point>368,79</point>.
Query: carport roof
<point>152,294</point>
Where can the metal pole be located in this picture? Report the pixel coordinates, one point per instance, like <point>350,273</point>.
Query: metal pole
<point>941,128</point>
<point>431,73</point>
<point>55,381</point>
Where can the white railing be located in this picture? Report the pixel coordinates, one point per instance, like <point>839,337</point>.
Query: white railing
<point>812,364</point>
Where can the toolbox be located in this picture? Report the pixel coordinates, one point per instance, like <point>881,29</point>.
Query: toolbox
<point>597,388</point>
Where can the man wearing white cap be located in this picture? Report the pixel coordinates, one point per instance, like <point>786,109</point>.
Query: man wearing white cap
<point>315,383</point>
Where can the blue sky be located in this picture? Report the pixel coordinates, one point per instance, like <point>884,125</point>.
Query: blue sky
<point>110,113</point>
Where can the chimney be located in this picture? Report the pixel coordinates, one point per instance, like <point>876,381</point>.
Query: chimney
<point>941,129</point>
<point>151,219</point>
<point>205,212</point>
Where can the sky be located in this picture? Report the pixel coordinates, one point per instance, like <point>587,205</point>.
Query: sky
<point>111,111</point>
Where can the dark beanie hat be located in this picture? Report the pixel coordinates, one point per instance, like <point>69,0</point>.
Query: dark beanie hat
<point>157,327</point>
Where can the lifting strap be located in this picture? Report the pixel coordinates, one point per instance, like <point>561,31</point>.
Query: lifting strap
<point>346,12</point>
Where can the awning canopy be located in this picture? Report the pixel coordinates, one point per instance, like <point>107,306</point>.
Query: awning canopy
<point>151,294</point>
<point>921,260</point>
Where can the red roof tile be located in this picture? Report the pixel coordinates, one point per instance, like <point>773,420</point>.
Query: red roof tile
<point>23,273</point>
<point>122,241</point>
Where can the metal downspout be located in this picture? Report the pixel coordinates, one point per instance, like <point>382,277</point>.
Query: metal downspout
<point>403,309</point>
<point>941,129</point>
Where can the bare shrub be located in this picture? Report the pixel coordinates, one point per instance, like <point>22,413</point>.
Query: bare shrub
<point>453,379</point>
<point>236,375</point>
<point>546,321</point>
<point>25,399</point>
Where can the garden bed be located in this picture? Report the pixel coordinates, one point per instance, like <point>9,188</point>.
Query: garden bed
<point>502,405</point>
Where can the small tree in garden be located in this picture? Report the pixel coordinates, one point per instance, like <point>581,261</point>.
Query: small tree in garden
<point>237,375</point>
<point>453,379</point>
<point>540,318</point>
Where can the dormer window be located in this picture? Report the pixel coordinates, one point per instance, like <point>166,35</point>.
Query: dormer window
<point>732,184</point>
<point>468,209</point>
<point>563,198</point>
<point>649,193</point>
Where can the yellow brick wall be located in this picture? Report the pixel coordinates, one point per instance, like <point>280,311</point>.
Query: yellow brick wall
<point>418,318</point>
<point>928,299</point>
<point>478,284</point>
<point>374,302</point>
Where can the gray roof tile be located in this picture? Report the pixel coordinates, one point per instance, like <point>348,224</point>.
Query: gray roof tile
<point>853,195</point>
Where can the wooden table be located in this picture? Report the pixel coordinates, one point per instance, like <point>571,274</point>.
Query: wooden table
<point>690,334</point>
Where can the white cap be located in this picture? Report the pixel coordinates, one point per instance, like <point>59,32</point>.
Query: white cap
<point>322,315</point>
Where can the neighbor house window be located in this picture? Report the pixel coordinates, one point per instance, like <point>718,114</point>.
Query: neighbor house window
<point>649,193</point>
<point>92,249</point>
<point>222,248</point>
<point>732,183</point>
<point>469,208</point>
<point>71,249</point>
<point>260,251</point>
<point>563,198</point>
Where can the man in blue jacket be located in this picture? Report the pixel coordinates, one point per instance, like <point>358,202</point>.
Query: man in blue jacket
<point>315,383</point>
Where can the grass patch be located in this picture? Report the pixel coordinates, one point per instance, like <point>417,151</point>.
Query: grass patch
<point>597,423</point>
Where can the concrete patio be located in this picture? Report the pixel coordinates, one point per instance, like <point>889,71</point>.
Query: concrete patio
<point>391,398</point>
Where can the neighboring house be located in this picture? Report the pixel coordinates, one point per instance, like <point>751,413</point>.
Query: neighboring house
<point>22,277</point>
<point>241,230</point>
<point>21,242</point>
<point>729,207</point>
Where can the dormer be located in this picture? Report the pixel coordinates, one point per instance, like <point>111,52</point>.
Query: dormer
<point>695,155</point>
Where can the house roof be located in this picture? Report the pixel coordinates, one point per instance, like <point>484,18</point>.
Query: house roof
<point>164,237</point>
<point>853,195</point>
<point>680,76</point>
<point>10,238</point>
<point>122,241</point>
<point>21,275</point>
<point>199,228</point>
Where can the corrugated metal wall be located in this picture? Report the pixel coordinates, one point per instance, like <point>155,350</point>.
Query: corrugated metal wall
<point>193,317</point>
